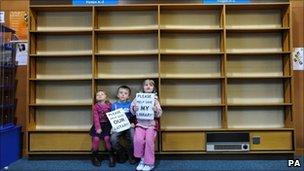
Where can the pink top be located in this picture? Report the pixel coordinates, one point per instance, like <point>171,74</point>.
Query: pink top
<point>148,123</point>
<point>99,114</point>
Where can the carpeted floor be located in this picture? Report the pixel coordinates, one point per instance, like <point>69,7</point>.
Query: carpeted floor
<point>165,165</point>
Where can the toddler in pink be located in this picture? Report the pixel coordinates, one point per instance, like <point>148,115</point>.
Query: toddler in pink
<point>146,131</point>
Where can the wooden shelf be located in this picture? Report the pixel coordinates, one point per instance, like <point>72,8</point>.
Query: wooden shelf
<point>259,53</point>
<point>190,43</point>
<point>60,78</point>
<point>46,130</point>
<point>128,53</point>
<point>135,29</point>
<point>62,129</point>
<point>60,7</point>
<point>63,104</point>
<point>187,29</point>
<point>188,103</point>
<point>64,53</point>
<point>189,52</point>
<point>63,31</point>
<point>189,76</point>
<point>258,104</point>
<point>217,68</point>
<point>61,55</point>
<point>258,77</point>
<point>226,129</point>
<point>257,6</point>
<point>196,105</point>
<point>255,30</point>
<point>123,77</point>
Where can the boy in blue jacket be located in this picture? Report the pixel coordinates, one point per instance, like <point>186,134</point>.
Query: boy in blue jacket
<point>123,102</point>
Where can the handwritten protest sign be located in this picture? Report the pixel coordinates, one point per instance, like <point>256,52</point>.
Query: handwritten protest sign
<point>118,120</point>
<point>145,103</point>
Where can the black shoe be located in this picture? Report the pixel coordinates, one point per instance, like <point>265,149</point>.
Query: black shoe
<point>111,159</point>
<point>95,160</point>
<point>121,156</point>
<point>132,160</point>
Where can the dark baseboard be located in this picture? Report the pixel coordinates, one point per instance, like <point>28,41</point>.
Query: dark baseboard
<point>172,157</point>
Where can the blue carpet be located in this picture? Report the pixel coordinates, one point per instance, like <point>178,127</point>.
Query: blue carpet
<point>165,165</point>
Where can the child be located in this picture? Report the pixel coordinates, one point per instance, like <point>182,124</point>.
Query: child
<point>123,94</point>
<point>101,128</point>
<point>145,131</point>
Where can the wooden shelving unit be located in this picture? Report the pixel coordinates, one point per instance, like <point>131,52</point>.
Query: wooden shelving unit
<point>217,68</point>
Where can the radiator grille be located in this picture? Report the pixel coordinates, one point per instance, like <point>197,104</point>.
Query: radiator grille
<point>227,147</point>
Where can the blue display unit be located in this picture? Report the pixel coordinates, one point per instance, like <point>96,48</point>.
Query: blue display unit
<point>10,145</point>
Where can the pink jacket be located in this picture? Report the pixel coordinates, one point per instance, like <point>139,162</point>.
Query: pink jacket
<point>99,114</point>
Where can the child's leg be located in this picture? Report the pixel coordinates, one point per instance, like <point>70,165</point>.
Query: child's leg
<point>139,142</point>
<point>115,140</point>
<point>107,143</point>
<point>129,145</point>
<point>130,139</point>
<point>95,147</point>
<point>149,157</point>
<point>95,143</point>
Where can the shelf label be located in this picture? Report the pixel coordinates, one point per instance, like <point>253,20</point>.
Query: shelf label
<point>226,1</point>
<point>95,2</point>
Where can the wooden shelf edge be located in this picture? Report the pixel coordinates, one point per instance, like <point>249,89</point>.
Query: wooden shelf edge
<point>127,30</point>
<point>60,79</point>
<point>191,30</point>
<point>254,30</point>
<point>126,77</point>
<point>127,53</point>
<point>190,78</point>
<point>72,31</point>
<point>62,55</point>
<point>258,77</point>
<point>192,105</point>
<point>223,129</point>
<point>34,130</point>
<point>60,105</point>
<point>261,104</point>
<point>162,52</point>
<point>257,53</point>
<point>49,152</point>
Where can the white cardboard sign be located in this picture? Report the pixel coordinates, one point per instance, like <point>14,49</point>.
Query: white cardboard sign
<point>118,120</point>
<point>145,103</point>
<point>298,59</point>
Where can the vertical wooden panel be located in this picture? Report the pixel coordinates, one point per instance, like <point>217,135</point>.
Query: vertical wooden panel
<point>298,41</point>
<point>224,116</point>
<point>272,140</point>
<point>183,141</point>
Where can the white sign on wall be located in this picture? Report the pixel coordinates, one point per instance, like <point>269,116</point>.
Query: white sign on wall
<point>118,120</point>
<point>298,59</point>
<point>21,53</point>
<point>145,103</point>
<point>2,19</point>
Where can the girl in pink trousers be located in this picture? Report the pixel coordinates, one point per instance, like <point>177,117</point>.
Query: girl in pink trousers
<point>146,131</point>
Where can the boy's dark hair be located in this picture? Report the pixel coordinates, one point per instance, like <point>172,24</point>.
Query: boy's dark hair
<point>124,87</point>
